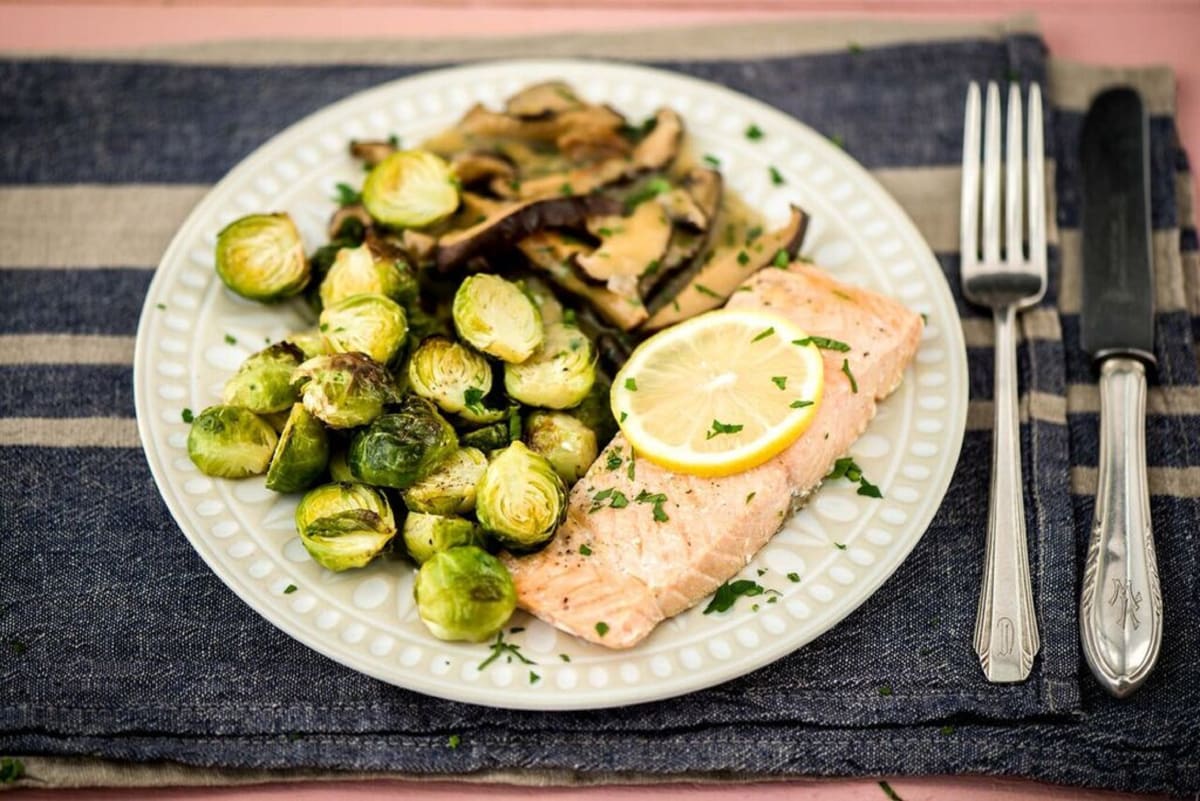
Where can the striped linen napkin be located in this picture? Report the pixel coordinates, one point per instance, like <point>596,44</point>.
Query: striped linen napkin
<point>124,660</point>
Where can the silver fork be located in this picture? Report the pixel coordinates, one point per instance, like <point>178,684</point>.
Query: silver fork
<point>1006,636</point>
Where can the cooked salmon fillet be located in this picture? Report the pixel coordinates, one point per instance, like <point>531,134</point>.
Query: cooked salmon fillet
<point>636,572</point>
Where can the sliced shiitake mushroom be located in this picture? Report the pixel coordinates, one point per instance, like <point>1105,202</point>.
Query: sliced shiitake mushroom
<point>660,147</point>
<point>554,253</point>
<point>474,167</point>
<point>542,99</point>
<point>629,247</point>
<point>696,223</point>
<point>344,213</point>
<point>372,151</point>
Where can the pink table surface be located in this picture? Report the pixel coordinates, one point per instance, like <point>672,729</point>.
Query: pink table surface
<point>1122,32</point>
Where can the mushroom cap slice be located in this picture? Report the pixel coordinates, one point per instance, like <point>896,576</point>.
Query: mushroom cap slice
<point>629,247</point>
<point>578,181</point>
<point>542,99</point>
<point>729,265</point>
<point>474,167</point>
<point>356,211</point>
<point>372,151</point>
<point>554,254</point>
<point>660,147</point>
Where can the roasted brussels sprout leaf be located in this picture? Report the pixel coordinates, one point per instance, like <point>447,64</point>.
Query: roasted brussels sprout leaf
<point>521,500</point>
<point>356,271</point>
<point>565,442</point>
<point>450,374</point>
<point>559,374</point>
<point>400,448</point>
<point>301,455</point>
<point>261,257</point>
<point>450,488</point>
<point>370,324</point>
<point>464,593</point>
<point>344,525</point>
<point>493,315</point>
<point>263,383</point>
<point>410,189</point>
<point>344,390</point>
<point>548,306</point>
<point>489,437</point>
<point>310,343</point>
<point>339,469</point>
<point>427,534</point>
<point>230,442</point>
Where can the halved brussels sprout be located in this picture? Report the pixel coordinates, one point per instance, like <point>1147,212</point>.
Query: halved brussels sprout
<point>370,324</point>
<point>464,593</point>
<point>261,257</point>
<point>450,488</point>
<point>277,420</point>
<point>344,525</point>
<point>567,444</point>
<point>263,383</point>
<point>595,410</point>
<point>301,455</point>
<point>339,469</point>
<point>496,317</point>
<point>451,375</point>
<point>521,499</point>
<point>356,271</point>
<point>559,374</point>
<point>399,449</point>
<point>344,390</point>
<point>230,442</point>
<point>491,437</point>
<point>410,189</point>
<point>427,534</point>
<point>310,343</point>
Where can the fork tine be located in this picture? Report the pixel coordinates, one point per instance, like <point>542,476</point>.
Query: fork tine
<point>991,176</point>
<point>969,210</point>
<point>1013,195</point>
<point>1037,183</point>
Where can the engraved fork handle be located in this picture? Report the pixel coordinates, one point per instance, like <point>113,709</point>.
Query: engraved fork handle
<point>1120,613</point>
<point>1006,636</point>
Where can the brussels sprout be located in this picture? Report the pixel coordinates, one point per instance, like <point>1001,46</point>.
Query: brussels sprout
<point>595,410</point>
<point>356,271</point>
<point>425,534</point>
<point>277,420</point>
<point>230,442</point>
<point>301,455</point>
<point>370,324</point>
<point>451,375</point>
<point>399,449</point>
<point>543,297</point>
<point>339,470</point>
<point>567,444</point>
<point>344,525</point>
<point>490,437</point>
<point>310,343</point>
<point>559,374</point>
<point>521,500</point>
<point>449,489</point>
<point>344,390</point>
<point>263,383</point>
<point>261,257</point>
<point>464,594</point>
<point>410,189</point>
<point>496,317</point>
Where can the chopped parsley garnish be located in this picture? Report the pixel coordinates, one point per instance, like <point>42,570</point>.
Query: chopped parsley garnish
<point>753,233</point>
<point>743,258</point>
<point>703,290</point>
<point>868,489</point>
<point>453,741</point>
<point>565,657</point>
<point>623,416</point>
<point>766,332</point>
<point>850,375</point>
<point>534,678</point>
<point>289,589</point>
<point>11,769</point>
<point>500,647</point>
<point>719,428</point>
<point>761,571</point>
<point>891,794</point>
<point>779,381</point>
<point>187,415</point>
<point>614,459</point>
<point>631,384</point>
<point>602,628</point>
<point>750,496</point>
<point>584,550</point>
<point>838,141</point>
<point>394,141</point>
<point>604,231</point>
<point>925,318</point>
<point>652,267</point>
<point>473,398</point>
<point>754,133</point>
<point>347,195</point>
<point>799,404</point>
<point>565,190</point>
<point>514,427</point>
<point>712,160</point>
<point>794,578</point>
<point>652,188</point>
<point>776,176</point>
<point>658,499</point>
<point>841,546</point>
<point>847,469</point>
<point>728,593</point>
<point>616,499</point>
<point>781,259</point>
<point>855,48</point>
<point>569,317</point>
<point>824,343</point>
<point>629,471</point>
<point>160,305</point>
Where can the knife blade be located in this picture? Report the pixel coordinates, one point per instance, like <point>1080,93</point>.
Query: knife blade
<point>1120,613</point>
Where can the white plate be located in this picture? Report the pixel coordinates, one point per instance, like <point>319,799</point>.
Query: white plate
<point>365,619</point>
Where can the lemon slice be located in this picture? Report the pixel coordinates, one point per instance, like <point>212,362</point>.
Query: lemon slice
<point>719,393</point>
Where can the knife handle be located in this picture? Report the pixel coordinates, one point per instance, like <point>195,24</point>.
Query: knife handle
<point>1120,613</point>
<point>1006,635</point>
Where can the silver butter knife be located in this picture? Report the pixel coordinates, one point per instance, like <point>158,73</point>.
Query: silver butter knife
<point>1120,612</point>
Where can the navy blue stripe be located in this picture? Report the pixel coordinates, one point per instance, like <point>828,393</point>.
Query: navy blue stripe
<point>1167,442</point>
<point>62,390</point>
<point>92,301</point>
<point>1173,346</point>
<point>1188,241</point>
<point>137,122</point>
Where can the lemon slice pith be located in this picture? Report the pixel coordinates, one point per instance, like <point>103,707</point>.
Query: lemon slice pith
<point>720,393</point>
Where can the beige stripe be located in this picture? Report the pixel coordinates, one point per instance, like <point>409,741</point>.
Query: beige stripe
<point>1073,85</point>
<point>1191,270</point>
<point>65,349</point>
<point>91,226</point>
<point>1035,324</point>
<point>1159,400</point>
<point>1181,482</point>
<point>70,432</point>
<point>713,41</point>
<point>931,195</point>
<point>1168,271</point>
<point>1045,407</point>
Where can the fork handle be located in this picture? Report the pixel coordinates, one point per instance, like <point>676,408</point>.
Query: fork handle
<point>1006,637</point>
<point>1120,614</point>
